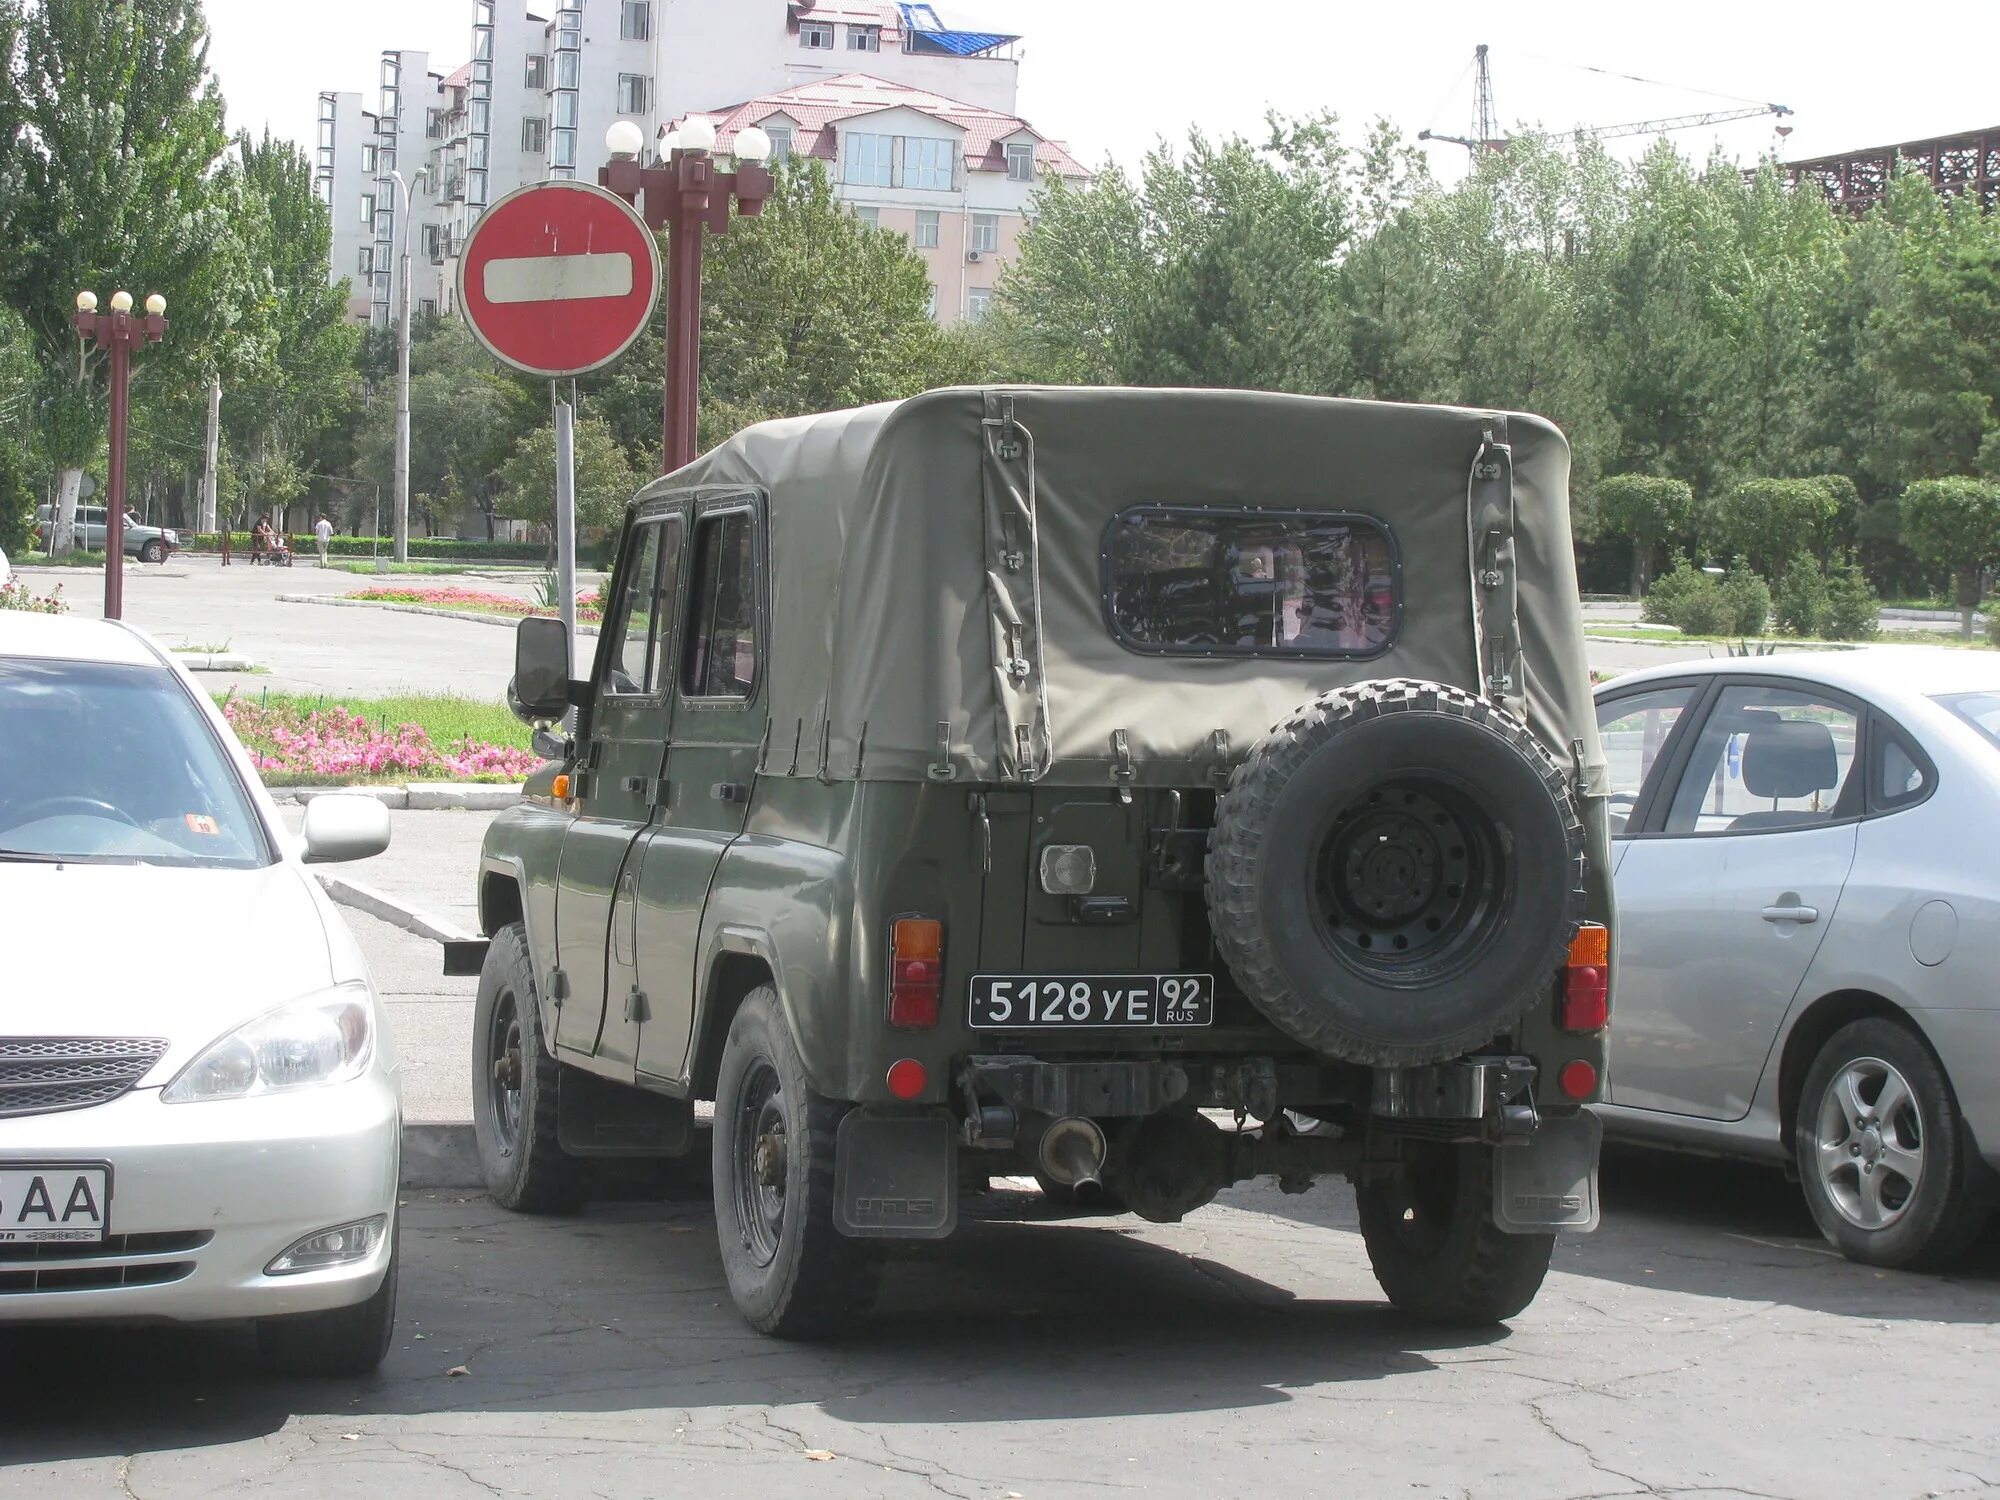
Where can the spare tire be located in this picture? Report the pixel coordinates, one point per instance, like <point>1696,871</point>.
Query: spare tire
<point>1396,873</point>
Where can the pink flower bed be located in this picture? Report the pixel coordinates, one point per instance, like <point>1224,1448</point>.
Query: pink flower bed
<point>338,745</point>
<point>451,597</point>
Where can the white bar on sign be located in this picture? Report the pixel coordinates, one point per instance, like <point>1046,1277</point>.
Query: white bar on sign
<point>559,278</point>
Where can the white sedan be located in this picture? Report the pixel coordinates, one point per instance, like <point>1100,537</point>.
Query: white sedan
<point>199,1105</point>
<point>1809,930</point>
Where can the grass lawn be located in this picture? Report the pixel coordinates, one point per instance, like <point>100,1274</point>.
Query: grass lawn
<point>67,560</point>
<point>431,569</point>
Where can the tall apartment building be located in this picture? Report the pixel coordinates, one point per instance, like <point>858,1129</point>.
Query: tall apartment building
<point>539,92</point>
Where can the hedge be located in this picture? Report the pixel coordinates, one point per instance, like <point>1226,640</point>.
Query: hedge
<point>421,547</point>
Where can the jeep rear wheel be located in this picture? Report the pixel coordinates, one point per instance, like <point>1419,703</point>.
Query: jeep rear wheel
<point>1396,873</point>
<point>1434,1246</point>
<point>790,1271</point>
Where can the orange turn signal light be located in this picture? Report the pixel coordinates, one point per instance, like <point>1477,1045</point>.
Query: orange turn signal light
<point>559,788</point>
<point>1591,947</point>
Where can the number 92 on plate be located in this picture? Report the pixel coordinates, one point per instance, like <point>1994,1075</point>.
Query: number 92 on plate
<point>1027,1002</point>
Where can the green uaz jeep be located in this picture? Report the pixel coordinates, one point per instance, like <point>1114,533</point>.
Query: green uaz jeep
<point>1144,791</point>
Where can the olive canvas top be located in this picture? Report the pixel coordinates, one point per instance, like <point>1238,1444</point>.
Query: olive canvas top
<point>1087,585</point>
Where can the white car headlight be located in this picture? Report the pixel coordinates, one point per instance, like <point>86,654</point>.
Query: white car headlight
<point>322,1038</point>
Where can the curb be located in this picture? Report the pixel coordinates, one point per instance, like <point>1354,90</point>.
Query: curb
<point>507,622</point>
<point>440,1156</point>
<point>388,909</point>
<point>213,662</point>
<point>428,796</point>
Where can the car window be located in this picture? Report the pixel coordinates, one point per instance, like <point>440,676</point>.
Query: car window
<point>1980,710</point>
<point>110,763</point>
<point>1634,729</point>
<point>1767,758</point>
<point>1262,583</point>
<point>643,611</point>
<point>1901,775</point>
<point>719,658</point>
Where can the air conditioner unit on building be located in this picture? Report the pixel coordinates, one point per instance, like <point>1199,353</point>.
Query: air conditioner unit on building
<point>972,257</point>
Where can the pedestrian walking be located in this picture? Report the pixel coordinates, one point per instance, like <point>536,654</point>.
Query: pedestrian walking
<point>323,534</point>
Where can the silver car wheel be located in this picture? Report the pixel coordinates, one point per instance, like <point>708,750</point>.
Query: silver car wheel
<point>1870,1135</point>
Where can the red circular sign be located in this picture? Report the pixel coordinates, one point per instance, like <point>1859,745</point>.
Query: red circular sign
<point>558,278</point>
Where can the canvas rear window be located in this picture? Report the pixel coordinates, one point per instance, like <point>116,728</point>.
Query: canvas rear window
<point>1210,582</point>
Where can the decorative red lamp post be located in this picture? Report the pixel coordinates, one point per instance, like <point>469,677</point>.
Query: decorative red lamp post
<point>120,332</point>
<point>686,195</point>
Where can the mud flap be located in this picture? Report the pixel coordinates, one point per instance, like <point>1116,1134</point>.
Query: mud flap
<point>1549,1180</point>
<point>895,1176</point>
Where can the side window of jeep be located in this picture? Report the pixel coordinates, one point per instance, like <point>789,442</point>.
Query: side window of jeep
<point>642,618</point>
<point>719,653</point>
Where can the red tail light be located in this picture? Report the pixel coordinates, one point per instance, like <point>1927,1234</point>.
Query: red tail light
<point>916,972</point>
<point>1586,994</point>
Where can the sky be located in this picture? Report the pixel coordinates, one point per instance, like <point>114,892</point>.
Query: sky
<point>1112,76</point>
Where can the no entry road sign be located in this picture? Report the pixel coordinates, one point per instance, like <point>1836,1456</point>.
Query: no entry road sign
<point>558,278</point>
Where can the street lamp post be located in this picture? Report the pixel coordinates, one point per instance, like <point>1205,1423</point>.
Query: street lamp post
<point>688,197</point>
<point>119,332</point>
<point>402,519</point>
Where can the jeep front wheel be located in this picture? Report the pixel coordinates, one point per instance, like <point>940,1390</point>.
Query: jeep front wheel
<point>790,1271</point>
<point>1434,1246</point>
<point>515,1085</point>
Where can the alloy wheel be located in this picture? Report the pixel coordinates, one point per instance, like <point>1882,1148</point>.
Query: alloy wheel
<point>1870,1135</point>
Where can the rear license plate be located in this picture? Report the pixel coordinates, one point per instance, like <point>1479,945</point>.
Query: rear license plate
<point>1026,1002</point>
<point>54,1203</point>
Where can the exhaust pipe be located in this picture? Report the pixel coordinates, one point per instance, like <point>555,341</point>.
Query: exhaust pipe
<point>1072,1154</point>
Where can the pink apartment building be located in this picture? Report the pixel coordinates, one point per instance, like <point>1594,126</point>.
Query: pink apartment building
<point>954,179</point>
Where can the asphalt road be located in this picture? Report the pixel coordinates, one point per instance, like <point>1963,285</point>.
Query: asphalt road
<point>1704,1343</point>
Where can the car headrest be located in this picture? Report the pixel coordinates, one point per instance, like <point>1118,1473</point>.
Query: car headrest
<point>1789,758</point>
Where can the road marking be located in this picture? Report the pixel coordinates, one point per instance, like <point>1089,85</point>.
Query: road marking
<point>558,278</point>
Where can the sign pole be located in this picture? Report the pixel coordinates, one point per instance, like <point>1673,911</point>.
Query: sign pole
<point>566,520</point>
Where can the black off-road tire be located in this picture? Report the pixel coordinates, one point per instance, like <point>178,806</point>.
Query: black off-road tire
<point>804,1279</point>
<point>1938,1222</point>
<point>524,1165</point>
<point>1434,1247</point>
<point>342,1341</point>
<point>1396,872</point>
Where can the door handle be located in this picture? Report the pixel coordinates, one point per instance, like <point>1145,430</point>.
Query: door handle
<point>1799,914</point>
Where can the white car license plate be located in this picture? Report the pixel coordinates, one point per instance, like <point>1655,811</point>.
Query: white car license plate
<point>1024,1002</point>
<point>54,1203</point>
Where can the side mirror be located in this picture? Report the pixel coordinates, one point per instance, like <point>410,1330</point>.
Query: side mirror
<point>540,689</point>
<point>339,828</point>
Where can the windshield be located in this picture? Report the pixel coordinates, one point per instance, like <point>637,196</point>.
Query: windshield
<point>1980,710</point>
<point>106,763</point>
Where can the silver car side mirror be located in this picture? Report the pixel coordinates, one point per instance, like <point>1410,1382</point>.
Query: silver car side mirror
<point>339,828</point>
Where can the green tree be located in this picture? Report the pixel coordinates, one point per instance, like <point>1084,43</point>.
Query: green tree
<point>110,135</point>
<point>1649,509</point>
<point>1770,520</point>
<point>605,482</point>
<point>466,417</point>
<point>805,309</point>
<point>1954,524</point>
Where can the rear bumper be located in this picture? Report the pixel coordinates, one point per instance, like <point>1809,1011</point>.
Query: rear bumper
<point>1969,1043</point>
<point>225,1187</point>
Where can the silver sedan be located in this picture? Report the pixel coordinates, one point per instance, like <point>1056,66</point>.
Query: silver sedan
<point>1809,942</point>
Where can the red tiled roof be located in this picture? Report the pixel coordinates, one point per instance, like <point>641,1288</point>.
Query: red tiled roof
<point>819,106</point>
<point>458,80</point>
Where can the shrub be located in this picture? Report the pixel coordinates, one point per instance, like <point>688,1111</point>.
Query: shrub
<point>1662,603</point>
<point>1746,600</point>
<point>14,595</point>
<point>1853,610</point>
<point>1801,600</point>
<point>1993,626</point>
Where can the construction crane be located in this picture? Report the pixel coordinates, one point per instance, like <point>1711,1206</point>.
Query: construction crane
<point>1487,137</point>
